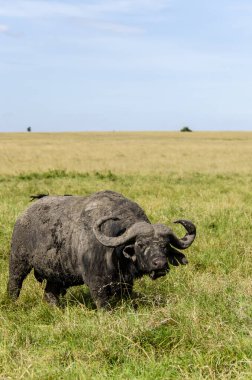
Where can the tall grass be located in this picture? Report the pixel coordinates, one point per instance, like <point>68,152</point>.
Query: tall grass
<point>195,323</point>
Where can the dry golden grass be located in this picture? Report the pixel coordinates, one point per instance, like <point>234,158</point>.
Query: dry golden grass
<point>127,152</point>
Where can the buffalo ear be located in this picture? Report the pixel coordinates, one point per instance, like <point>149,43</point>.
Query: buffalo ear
<point>175,257</point>
<point>129,252</point>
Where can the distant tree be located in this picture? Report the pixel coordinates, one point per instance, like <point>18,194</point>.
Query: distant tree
<point>29,129</point>
<point>185,129</point>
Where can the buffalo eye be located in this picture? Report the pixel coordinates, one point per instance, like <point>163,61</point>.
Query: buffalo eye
<point>129,253</point>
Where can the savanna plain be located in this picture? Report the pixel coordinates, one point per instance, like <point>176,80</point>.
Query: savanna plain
<point>194,323</point>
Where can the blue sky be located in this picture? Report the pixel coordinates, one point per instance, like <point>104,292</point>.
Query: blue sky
<point>125,65</point>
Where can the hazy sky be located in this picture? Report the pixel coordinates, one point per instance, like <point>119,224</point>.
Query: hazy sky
<point>125,65</point>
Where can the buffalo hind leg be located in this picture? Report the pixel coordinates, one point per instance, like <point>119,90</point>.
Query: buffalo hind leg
<point>52,293</point>
<point>17,273</point>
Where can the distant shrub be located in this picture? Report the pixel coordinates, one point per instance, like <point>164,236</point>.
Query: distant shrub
<point>185,129</point>
<point>110,176</point>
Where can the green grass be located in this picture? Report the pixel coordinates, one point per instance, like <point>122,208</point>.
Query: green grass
<point>195,323</point>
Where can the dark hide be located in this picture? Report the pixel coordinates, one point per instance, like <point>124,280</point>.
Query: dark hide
<point>56,236</point>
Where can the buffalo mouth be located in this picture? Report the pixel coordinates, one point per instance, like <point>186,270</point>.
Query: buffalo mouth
<point>154,274</point>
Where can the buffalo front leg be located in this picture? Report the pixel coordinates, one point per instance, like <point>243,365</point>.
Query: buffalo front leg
<point>106,295</point>
<point>101,295</point>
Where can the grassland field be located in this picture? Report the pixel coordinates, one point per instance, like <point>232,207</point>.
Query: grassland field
<point>195,323</point>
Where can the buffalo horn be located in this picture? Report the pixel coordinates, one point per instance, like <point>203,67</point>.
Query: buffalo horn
<point>182,243</point>
<point>115,241</point>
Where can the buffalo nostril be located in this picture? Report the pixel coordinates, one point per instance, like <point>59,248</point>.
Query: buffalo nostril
<point>159,262</point>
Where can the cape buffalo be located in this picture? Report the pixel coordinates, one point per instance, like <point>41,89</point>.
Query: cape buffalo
<point>103,240</point>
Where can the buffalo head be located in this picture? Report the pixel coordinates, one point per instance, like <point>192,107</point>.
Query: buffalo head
<point>149,246</point>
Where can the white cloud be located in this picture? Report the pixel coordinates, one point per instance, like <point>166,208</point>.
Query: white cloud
<point>113,27</point>
<point>106,15</point>
<point>45,8</point>
<point>4,29</point>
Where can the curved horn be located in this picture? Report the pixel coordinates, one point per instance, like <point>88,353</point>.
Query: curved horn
<point>130,233</point>
<point>184,242</point>
<point>189,237</point>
